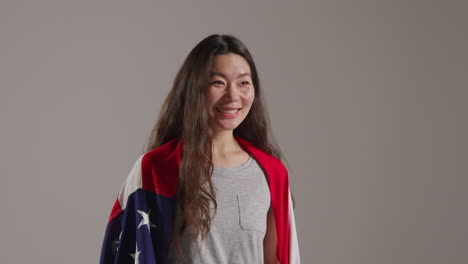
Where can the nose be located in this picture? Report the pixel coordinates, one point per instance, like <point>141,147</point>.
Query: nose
<point>233,92</point>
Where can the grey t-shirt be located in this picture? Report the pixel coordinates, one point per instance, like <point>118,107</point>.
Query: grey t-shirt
<point>239,226</point>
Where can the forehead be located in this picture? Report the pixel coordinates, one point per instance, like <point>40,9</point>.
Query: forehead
<point>230,65</point>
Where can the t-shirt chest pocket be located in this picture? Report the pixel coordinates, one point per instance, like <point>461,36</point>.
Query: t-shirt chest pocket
<point>252,213</point>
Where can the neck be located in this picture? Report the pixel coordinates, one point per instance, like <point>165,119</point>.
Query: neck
<point>224,142</point>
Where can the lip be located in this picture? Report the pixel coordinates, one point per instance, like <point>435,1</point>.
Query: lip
<point>229,108</point>
<point>227,115</point>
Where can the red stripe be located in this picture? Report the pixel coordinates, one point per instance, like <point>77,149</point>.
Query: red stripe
<point>116,210</point>
<point>160,169</point>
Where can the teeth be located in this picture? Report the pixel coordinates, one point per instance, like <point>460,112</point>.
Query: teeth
<point>228,111</point>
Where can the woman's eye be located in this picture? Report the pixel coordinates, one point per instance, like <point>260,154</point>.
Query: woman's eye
<point>245,83</point>
<point>217,82</point>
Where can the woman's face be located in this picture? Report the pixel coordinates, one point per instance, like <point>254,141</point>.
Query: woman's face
<point>230,93</point>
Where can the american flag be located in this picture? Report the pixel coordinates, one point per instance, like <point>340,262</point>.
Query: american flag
<point>140,226</point>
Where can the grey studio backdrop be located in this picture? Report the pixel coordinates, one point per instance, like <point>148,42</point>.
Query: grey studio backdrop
<point>368,100</point>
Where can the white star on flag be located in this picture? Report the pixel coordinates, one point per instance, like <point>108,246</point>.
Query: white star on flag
<point>137,253</point>
<point>116,242</point>
<point>145,220</point>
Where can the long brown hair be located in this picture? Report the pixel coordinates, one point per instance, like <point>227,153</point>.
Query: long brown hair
<point>183,116</point>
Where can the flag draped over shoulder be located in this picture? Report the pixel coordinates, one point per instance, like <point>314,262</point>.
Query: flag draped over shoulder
<point>140,226</point>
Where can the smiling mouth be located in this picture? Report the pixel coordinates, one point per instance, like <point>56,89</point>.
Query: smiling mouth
<point>228,111</point>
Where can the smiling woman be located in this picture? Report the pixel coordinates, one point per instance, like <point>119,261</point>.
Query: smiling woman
<point>211,187</point>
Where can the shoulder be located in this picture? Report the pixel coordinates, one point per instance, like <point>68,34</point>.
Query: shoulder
<point>166,151</point>
<point>152,171</point>
<point>155,171</point>
<point>271,164</point>
<point>160,168</point>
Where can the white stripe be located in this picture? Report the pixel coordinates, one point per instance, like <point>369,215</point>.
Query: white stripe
<point>131,184</point>
<point>294,257</point>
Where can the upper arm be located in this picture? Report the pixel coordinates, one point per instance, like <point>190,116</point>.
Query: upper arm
<point>270,240</point>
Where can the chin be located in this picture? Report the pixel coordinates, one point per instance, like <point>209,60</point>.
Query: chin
<point>227,126</point>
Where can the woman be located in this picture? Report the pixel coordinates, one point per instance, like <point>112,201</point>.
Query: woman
<point>211,187</point>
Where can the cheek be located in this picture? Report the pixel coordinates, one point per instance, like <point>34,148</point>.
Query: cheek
<point>210,98</point>
<point>249,97</point>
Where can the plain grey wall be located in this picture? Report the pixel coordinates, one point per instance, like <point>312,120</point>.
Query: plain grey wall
<point>368,100</point>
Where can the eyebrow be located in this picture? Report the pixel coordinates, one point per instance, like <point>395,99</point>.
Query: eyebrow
<point>224,76</point>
